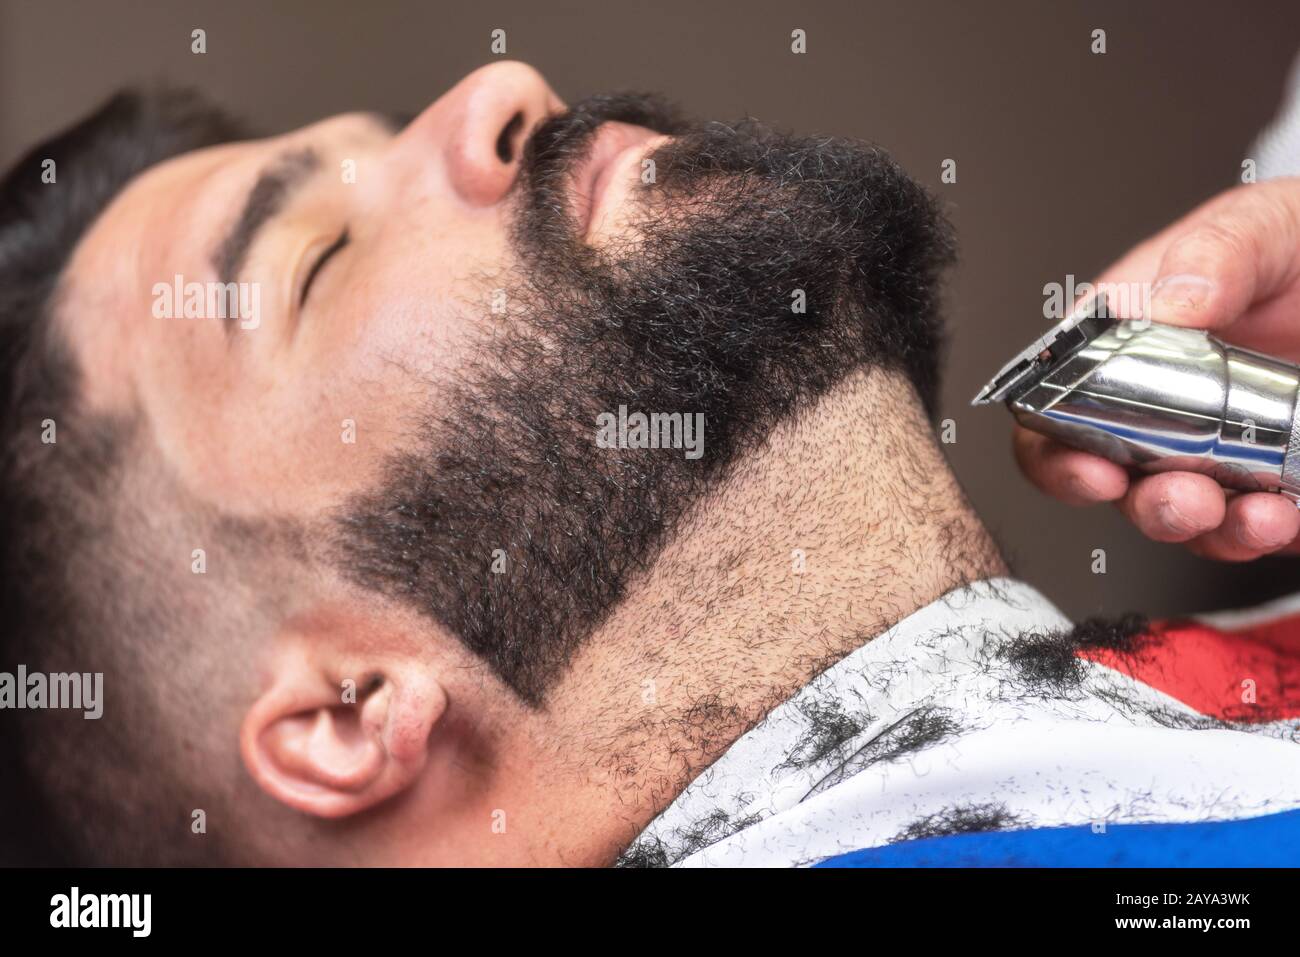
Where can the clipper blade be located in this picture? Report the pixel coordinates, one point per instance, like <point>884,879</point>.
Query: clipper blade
<point>1044,353</point>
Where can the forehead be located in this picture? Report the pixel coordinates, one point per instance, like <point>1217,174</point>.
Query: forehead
<point>207,186</point>
<point>127,249</point>
<point>171,219</point>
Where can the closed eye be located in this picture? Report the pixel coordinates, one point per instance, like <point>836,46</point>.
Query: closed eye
<point>320,263</point>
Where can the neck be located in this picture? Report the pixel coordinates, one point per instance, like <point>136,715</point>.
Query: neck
<point>845,522</point>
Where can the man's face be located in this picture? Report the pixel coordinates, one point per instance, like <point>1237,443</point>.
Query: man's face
<point>253,418</point>
<point>438,319</point>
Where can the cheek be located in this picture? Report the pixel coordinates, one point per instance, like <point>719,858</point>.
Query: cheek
<point>292,443</point>
<point>305,432</point>
<point>297,444</point>
<point>419,304</point>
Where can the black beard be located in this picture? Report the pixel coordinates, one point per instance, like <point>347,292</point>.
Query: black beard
<point>696,314</point>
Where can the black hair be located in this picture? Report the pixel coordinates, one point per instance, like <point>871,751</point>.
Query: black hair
<point>52,493</point>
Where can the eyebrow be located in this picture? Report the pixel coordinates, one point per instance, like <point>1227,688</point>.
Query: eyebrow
<point>270,192</point>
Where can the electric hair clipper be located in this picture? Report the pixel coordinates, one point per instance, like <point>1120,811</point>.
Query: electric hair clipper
<point>1158,398</point>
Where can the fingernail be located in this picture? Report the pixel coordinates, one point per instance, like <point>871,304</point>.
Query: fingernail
<point>1083,489</point>
<point>1179,293</point>
<point>1174,520</point>
<point>1257,538</point>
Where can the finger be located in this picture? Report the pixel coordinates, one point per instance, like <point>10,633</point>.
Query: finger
<point>1255,525</point>
<point>1135,270</point>
<point>1074,477</point>
<point>1241,249</point>
<point>1174,506</point>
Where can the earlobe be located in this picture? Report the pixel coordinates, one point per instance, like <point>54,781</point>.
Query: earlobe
<point>333,749</point>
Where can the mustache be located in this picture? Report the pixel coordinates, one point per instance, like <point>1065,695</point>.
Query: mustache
<point>560,142</point>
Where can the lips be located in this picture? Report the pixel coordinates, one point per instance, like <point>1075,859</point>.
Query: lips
<point>615,147</point>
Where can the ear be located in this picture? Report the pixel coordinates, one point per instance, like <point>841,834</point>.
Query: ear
<point>333,737</point>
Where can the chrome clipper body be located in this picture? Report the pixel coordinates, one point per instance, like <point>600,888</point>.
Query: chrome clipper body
<point>1159,398</point>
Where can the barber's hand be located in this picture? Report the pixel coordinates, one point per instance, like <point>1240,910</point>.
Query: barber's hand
<point>1231,266</point>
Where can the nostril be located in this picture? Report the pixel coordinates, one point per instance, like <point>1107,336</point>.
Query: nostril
<point>505,142</point>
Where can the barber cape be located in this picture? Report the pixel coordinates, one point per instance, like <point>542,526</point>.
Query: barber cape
<point>985,729</point>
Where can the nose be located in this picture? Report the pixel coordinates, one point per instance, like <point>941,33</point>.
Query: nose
<point>480,125</point>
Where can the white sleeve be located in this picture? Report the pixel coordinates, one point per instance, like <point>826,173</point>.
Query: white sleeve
<point>1276,151</point>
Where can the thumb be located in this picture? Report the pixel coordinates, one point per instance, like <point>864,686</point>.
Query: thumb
<point>1238,250</point>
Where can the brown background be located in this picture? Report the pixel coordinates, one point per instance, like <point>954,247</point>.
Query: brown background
<point>1064,158</point>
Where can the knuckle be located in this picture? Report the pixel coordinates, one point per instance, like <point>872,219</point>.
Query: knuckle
<point>1222,238</point>
<point>1250,219</point>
